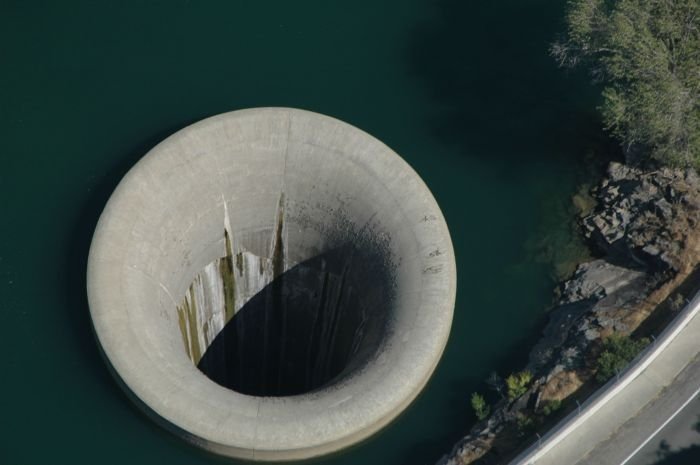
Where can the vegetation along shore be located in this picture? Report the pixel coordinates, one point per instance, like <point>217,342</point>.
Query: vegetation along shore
<point>641,220</point>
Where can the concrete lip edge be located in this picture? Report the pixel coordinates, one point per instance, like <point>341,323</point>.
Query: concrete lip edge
<point>289,427</point>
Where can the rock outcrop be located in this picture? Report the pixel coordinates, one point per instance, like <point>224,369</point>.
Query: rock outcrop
<point>644,219</point>
<point>644,227</point>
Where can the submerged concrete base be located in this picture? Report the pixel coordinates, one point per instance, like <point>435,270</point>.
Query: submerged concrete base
<point>281,252</point>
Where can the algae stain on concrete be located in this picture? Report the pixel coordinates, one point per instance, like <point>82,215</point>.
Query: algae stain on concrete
<point>225,285</point>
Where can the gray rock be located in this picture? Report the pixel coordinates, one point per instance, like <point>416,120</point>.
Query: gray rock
<point>618,171</point>
<point>591,334</point>
<point>664,207</point>
<point>642,218</point>
<point>587,304</point>
<point>597,279</point>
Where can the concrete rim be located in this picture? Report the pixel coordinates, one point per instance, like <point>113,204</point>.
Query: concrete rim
<point>123,292</point>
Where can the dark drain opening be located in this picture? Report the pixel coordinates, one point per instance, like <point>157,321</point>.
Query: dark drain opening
<point>313,323</point>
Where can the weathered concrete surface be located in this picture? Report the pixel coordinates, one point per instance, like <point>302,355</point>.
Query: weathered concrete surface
<point>164,225</point>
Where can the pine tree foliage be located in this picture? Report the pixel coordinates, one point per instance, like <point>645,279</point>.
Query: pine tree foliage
<point>646,53</point>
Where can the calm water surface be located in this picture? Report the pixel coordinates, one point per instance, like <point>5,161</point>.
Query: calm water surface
<point>463,90</point>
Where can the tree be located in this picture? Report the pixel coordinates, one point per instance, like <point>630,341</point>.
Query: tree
<point>617,352</point>
<point>646,53</point>
<point>481,408</point>
<point>517,384</point>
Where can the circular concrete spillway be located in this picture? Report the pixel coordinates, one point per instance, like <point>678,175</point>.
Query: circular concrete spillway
<point>272,284</point>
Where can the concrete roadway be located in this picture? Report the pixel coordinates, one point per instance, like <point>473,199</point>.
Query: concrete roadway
<point>667,422</point>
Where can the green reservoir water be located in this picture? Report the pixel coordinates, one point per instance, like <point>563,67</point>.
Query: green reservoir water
<point>463,90</point>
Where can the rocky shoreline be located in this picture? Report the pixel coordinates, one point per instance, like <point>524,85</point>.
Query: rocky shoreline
<point>644,226</point>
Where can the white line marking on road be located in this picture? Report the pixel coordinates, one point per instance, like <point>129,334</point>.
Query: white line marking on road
<point>646,441</point>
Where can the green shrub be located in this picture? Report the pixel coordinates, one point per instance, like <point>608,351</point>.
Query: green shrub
<point>551,406</point>
<point>525,423</point>
<point>481,408</point>
<point>617,352</point>
<point>517,384</point>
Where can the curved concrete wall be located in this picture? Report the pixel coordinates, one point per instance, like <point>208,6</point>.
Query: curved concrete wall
<point>247,173</point>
